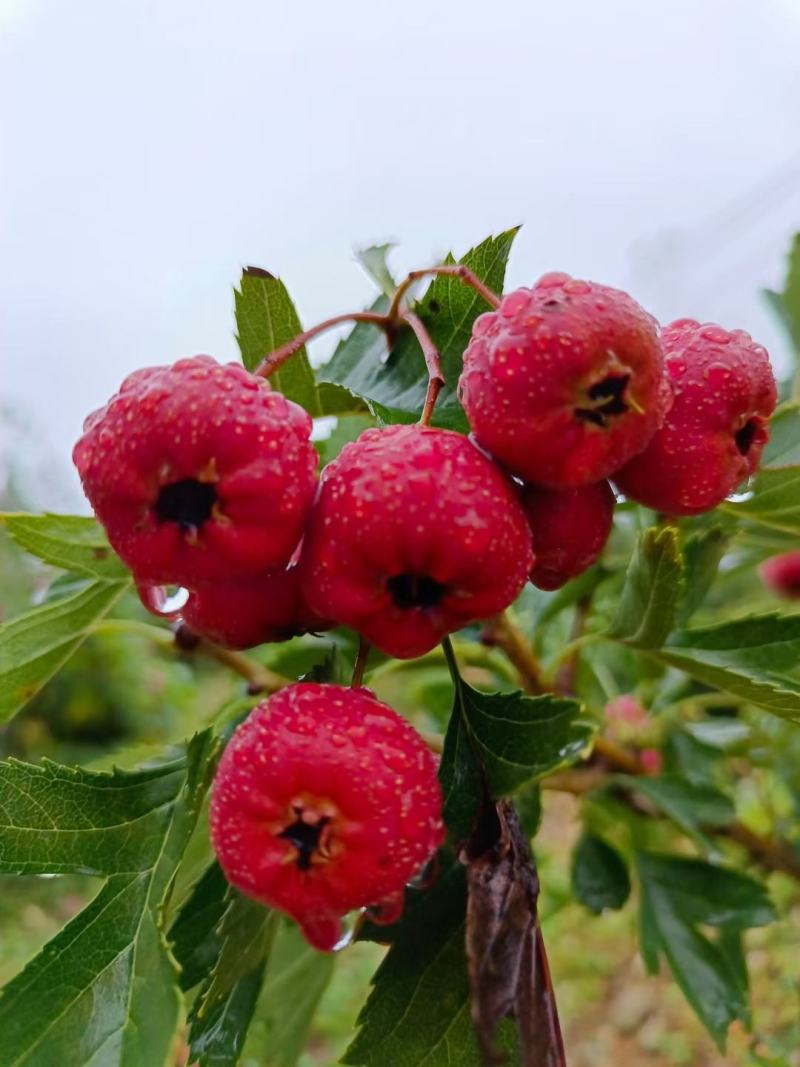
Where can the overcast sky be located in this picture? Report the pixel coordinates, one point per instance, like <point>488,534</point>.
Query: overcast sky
<point>149,150</point>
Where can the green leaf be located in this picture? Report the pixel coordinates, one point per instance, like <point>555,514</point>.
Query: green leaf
<point>509,738</point>
<point>689,805</point>
<point>373,260</point>
<point>676,896</point>
<point>706,893</point>
<point>787,303</point>
<point>35,645</point>
<point>702,554</point>
<point>774,501</point>
<point>652,590</point>
<point>757,659</point>
<point>105,989</point>
<point>348,428</point>
<point>783,447</point>
<point>73,542</point>
<point>600,878</point>
<point>61,820</point>
<point>394,388</point>
<point>296,978</point>
<point>265,319</point>
<point>194,938</point>
<point>225,1005</point>
<point>417,1014</point>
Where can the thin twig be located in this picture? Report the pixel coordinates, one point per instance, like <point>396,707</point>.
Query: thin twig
<point>565,679</point>
<point>273,360</point>
<point>619,758</point>
<point>433,364</point>
<point>502,632</point>
<point>453,270</point>
<point>360,664</point>
<point>774,854</point>
<point>260,679</point>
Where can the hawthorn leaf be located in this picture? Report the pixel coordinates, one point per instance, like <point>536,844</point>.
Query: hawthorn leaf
<point>225,1004</point>
<point>691,806</point>
<point>347,429</point>
<point>33,646</point>
<point>105,989</point>
<point>652,590</point>
<point>677,896</point>
<point>418,1012</point>
<point>265,319</point>
<point>600,877</point>
<point>507,740</point>
<point>296,978</point>
<point>702,554</point>
<point>787,303</point>
<point>774,500</point>
<point>194,936</point>
<point>374,262</point>
<point>755,658</point>
<point>783,447</point>
<point>394,384</point>
<point>73,542</point>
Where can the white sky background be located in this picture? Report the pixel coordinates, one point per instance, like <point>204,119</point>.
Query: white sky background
<point>149,150</point>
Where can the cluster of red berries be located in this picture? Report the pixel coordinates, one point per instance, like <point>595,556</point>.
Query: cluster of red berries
<point>206,478</point>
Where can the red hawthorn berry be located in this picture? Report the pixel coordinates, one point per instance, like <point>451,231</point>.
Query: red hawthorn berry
<point>651,760</point>
<point>415,533</point>
<point>716,429</point>
<point>198,472</point>
<point>570,528</point>
<point>325,800</point>
<point>564,383</point>
<point>251,611</point>
<point>782,574</point>
<point>626,708</point>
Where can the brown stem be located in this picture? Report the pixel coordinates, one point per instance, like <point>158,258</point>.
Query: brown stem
<point>502,632</point>
<point>619,758</point>
<point>360,664</point>
<point>565,680</point>
<point>273,360</point>
<point>774,854</point>
<point>432,362</point>
<point>259,679</point>
<point>453,270</point>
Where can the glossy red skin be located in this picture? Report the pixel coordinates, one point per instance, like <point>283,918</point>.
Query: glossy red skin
<point>334,752</point>
<point>570,528</point>
<point>721,380</point>
<point>253,611</point>
<point>528,369</point>
<point>414,500</point>
<point>198,419</point>
<point>782,574</point>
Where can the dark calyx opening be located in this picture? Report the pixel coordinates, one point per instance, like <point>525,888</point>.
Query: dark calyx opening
<point>305,838</point>
<point>415,590</point>
<point>187,502</point>
<point>744,437</point>
<point>607,398</point>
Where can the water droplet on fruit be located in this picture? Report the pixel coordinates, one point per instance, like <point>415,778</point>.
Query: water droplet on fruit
<point>716,374</point>
<point>514,303</point>
<point>716,334</point>
<point>675,366</point>
<point>164,600</point>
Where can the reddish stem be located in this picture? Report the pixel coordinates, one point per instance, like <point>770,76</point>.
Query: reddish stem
<point>273,360</point>
<point>453,270</point>
<point>432,362</point>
